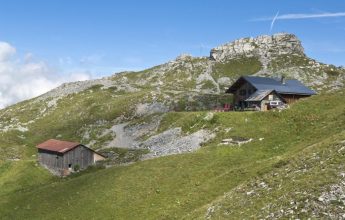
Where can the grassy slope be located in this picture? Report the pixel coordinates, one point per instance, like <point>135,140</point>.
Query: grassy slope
<point>236,68</point>
<point>65,121</point>
<point>176,186</point>
<point>291,189</point>
<point>94,107</point>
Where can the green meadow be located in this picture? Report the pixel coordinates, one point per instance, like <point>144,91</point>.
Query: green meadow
<point>181,186</point>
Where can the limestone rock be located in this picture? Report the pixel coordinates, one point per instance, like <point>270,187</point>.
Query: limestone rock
<point>264,47</point>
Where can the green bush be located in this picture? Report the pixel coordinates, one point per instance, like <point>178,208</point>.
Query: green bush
<point>76,167</point>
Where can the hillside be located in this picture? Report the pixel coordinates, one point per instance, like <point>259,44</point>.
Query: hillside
<point>293,163</point>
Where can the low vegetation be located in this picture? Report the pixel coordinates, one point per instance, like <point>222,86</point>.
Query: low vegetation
<point>192,185</point>
<point>237,67</point>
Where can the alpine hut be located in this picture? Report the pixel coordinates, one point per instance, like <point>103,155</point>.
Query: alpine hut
<point>264,93</point>
<point>63,157</point>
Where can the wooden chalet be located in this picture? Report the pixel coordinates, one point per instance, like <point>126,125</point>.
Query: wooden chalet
<point>63,157</point>
<point>263,93</point>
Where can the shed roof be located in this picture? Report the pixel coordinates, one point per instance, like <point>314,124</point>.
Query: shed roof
<point>291,86</point>
<point>57,145</point>
<point>259,95</point>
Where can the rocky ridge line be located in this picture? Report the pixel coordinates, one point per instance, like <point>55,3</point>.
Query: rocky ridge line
<point>264,47</point>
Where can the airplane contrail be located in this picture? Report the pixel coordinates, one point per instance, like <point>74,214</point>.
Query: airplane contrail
<point>301,16</point>
<point>273,21</point>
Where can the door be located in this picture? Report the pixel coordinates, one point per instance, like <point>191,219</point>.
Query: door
<point>265,107</point>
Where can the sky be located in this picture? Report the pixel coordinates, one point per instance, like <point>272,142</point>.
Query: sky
<point>46,43</point>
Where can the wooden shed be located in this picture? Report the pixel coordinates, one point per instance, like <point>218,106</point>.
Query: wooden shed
<point>63,157</point>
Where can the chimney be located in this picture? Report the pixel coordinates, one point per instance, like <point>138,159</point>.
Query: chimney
<point>282,80</point>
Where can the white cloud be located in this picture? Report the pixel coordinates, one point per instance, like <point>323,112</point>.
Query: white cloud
<point>24,78</point>
<point>302,16</point>
<point>6,51</point>
<point>28,57</point>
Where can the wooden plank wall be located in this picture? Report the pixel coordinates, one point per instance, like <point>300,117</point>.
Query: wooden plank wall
<point>79,155</point>
<point>51,160</point>
<point>293,98</point>
<point>249,91</point>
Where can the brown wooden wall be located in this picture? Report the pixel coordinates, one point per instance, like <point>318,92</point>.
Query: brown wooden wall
<point>290,98</point>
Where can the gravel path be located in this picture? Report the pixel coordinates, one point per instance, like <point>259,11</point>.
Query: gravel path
<point>123,139</point>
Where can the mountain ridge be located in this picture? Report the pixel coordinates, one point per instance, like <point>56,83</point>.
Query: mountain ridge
<point>276,55</point>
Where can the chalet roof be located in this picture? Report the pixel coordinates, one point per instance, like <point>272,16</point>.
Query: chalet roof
<point>291,86</point>
<point>57,145</point>
<point>259,95</point>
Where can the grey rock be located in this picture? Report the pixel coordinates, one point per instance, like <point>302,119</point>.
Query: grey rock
<point>264,47</point>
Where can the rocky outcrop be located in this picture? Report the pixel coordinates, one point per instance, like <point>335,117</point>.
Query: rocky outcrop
<point>264,47</point>
<point>79,86</point>
<point>183,57</point>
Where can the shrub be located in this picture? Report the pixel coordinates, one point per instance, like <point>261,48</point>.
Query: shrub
<point>76,167</point>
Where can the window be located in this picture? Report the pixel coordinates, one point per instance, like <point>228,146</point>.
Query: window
<point>70,165</point>
<point>275,103</point>
<point>242,92</point>
<point>270,97</point>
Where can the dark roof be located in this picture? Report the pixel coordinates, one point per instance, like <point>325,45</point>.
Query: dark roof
<point>291,86</point>
<point>57,145</point>
<point>259,95</point>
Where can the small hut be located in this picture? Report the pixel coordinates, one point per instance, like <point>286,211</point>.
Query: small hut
<point>64,157</point>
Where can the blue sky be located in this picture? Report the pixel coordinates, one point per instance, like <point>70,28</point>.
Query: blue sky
<point>112,35</point>
<point>102,37</point>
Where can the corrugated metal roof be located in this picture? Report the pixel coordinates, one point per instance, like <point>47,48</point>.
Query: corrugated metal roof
<point>57,145</point>
<point>259,95</point>
<point>291,86</point>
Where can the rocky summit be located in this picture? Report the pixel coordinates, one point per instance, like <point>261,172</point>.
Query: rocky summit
<point>264,47</point>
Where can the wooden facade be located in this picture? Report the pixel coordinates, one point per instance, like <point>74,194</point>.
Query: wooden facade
<point>291,98</point>
<point>242,93</point>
